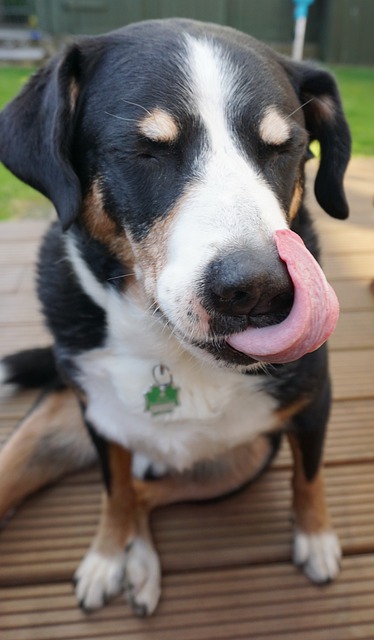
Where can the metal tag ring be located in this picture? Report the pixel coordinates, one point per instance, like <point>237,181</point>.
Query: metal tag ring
<point>162,370</point>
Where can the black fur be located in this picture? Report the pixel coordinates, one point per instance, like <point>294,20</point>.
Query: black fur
<point>76,322</point>
<point>32,368</point>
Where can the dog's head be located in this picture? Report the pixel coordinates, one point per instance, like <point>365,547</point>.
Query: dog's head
<point>181,147</point>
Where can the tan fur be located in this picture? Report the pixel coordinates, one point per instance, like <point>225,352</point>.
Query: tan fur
<point>74,93</point>
<point>206,481</point>
<point>309,506</point>
<point>285,414</point>
<point>159,126</point>
<point>151,253</point>
<point>274,128</point>
<point>296,200</point>
<point>50,442</point>
<point>101,227</point>
<point>117,525</point>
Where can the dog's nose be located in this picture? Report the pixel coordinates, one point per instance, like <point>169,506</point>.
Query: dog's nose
<point>253,284</point>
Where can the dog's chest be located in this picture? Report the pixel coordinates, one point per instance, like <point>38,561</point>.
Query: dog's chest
<point>216,411</point>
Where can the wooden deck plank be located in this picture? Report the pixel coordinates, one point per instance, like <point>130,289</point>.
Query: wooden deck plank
<point>18,253</point>
<point>352,374</point>
<point>354,295</point>
<point>48,536</point>
<point>220,604</point>
<point>12,310</point>
<point>355,330</point>
<point>351,267</point>
<point>27,230</point>
<point>10,278</point>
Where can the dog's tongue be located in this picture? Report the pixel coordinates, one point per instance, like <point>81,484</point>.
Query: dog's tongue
<point>313,316</point>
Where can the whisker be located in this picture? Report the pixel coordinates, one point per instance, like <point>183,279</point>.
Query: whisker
<point>119,117</point>
<point>298,108</point>
<point>135,104</point>
<point>124,275</point>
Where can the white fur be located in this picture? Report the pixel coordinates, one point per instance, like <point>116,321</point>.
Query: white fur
<point>141,465</point>
<point>98,578</point>
<point>90,284</point>
<point>143,577</point>
<point>136,571</point>
<point>318,554</point>
<point>229,206</point>
<point>218,409</point>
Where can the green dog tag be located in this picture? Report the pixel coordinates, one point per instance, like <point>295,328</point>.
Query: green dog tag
<point>162,397</point>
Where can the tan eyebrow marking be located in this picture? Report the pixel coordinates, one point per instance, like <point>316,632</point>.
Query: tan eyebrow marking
<point>159,126</point>
<point>274,128</point>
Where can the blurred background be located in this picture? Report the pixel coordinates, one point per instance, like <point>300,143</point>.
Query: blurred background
<point>337,33</point>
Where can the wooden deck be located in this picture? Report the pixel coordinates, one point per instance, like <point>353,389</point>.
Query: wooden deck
<point>227,570</point>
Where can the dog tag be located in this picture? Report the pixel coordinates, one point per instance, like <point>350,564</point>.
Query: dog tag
<point>162,397</point>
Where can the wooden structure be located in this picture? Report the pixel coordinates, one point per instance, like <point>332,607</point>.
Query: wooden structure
<point>227,570</point>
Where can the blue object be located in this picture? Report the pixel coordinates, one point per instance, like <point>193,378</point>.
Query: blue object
<point>301,8</point>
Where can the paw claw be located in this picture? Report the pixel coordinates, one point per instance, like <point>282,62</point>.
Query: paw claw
<point>140,610</point>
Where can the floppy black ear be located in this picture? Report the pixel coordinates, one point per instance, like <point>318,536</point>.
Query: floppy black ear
<point>36,131</point>
<point>325,121</point>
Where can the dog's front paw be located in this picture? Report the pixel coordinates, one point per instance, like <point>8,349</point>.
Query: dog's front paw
<point>143,577</point>
<point>318,554</point>
<point>98,578</point>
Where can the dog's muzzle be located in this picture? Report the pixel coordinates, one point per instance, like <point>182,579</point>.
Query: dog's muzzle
<point>248,286</point>
<point>271,306</point>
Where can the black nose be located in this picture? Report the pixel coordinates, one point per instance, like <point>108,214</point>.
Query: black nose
<point>249,283</point>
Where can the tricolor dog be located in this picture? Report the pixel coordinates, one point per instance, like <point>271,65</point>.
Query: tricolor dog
<point>181,287</point>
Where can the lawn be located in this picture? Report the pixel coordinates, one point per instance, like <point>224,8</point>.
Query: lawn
<point>356,86</point>
<point>16,198</point>
<point>357,89</point>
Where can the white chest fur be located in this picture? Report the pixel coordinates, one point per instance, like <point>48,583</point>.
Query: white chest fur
<point>218,409</point>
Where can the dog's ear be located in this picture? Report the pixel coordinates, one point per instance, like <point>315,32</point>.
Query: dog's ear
<point>36,131</point>
<point>325,121</point>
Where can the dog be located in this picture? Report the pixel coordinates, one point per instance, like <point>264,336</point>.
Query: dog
<point>181,285</point>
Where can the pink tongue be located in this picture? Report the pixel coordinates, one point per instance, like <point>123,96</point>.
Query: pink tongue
<point>313,316</point>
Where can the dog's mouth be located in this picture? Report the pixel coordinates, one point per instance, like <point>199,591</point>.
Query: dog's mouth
<point>311,319</point>
<point>298,321</point>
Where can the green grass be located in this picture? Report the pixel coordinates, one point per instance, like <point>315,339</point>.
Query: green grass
<point>16,198</point>
<point>356,86</point>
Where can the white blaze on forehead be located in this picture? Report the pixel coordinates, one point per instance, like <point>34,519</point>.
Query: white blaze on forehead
<point>213,81</point>
<point>159,126</point>
<point>228,174</point>
<point>274,128</point>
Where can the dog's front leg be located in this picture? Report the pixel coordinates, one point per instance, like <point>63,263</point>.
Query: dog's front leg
<point>122,556</point>
<point>316,546</point>
<point>101,573</point>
